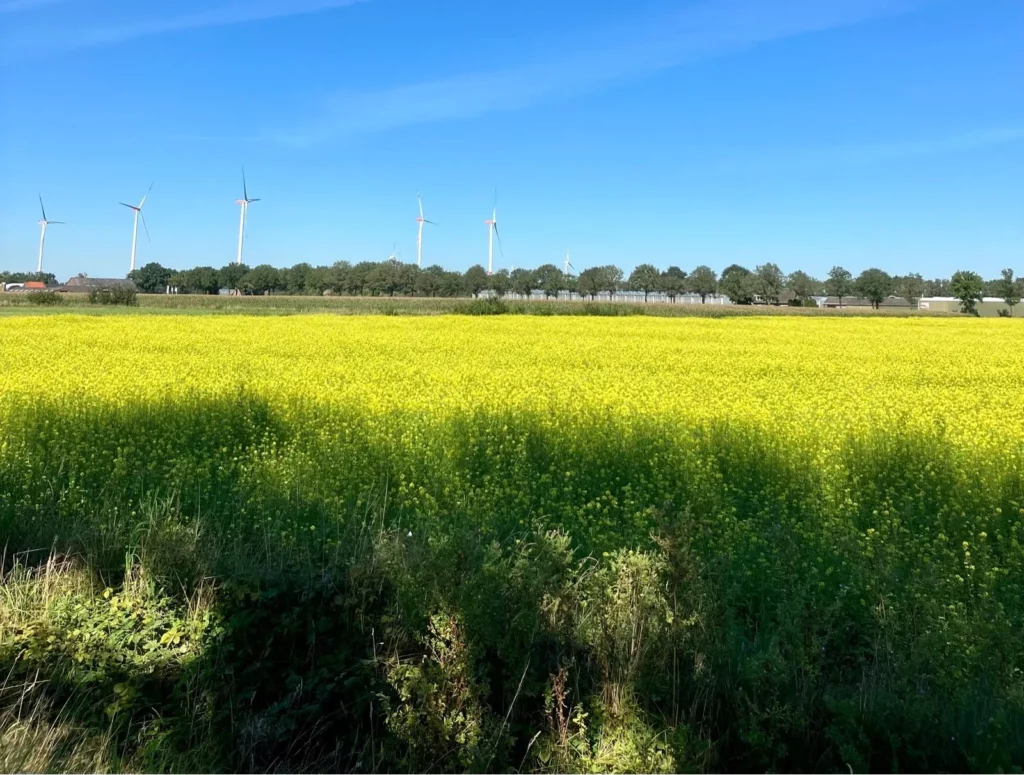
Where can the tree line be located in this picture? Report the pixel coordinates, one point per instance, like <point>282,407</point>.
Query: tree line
<point>765,284</point>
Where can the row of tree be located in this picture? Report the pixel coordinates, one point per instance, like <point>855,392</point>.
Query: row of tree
<point>765,284</point>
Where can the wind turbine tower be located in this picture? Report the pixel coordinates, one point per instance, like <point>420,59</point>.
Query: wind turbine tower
<point>135,228</point>
<point>245,201</point>
<point>492,232</point>
<point>42,234</point>
<point>419,237</point>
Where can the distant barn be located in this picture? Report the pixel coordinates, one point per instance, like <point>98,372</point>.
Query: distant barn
<point>83,284</point>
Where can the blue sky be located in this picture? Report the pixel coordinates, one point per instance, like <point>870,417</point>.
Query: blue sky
<point>805,132</point>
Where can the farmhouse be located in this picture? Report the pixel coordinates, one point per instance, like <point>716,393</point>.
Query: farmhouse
<point>84,284</point>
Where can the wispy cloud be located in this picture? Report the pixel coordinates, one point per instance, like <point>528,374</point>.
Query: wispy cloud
<point>53,41</point>
<point>829,158</point>
<point>705,29</point>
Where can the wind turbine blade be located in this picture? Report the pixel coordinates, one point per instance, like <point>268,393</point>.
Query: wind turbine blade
<point>130,207</point>
<point>420,200</point>
<point>61,223</point>
<point>250,201</point>
<point>432,223</point>
<point>41,206</point>
<point>498,235</point>
<point>245,188</point>
<point>144,226</point>
<point>146,195</point>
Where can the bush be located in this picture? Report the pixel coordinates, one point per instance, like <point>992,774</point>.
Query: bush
<point>490,306</point>
<point>120,295</point>
<point>45,298</point>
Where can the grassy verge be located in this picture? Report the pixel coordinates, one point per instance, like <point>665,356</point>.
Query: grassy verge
<point>229,585</point>
<point>350,305</point>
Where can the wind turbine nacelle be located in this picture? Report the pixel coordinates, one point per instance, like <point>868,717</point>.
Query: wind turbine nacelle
<point>240,202</point>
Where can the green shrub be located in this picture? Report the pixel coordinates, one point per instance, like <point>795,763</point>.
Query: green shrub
<point>490,306</point>
<point>119,295</point>
<point>45,298</point>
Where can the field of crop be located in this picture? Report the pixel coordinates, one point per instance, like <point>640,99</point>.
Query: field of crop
<point>511,543</point>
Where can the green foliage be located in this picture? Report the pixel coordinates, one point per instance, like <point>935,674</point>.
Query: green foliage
<point>912,288</point>
<point>151,278</point>
<point>802,286</point>
<point>839,283</point>
<point>672,282</point>
<point>874,285</point>
<point>704,282</point>
<point>736,284</point>
<point>550,279</point>
<point>475,280</point>
<point>767,283</point>
<point>968,288</point>
<point>45,298</point>
<point>118,296</point>
<point>645,278</point>
<point>1010,290</point>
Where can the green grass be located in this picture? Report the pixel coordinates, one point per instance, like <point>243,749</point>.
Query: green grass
<point>241,588</point>
<point>353,305</point>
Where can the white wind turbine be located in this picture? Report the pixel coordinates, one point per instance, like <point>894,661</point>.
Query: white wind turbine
<point>245,201</point>
<point>419,237</point>
<point>568,265</point>
<point>42,234</point>
<point>492,232</point>
<point>135,228</point>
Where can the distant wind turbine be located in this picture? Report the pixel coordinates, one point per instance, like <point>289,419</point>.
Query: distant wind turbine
<point>42,234</point>
<point>568,265</point>
<point>419,237</point>
<point>135,228</point>
<point>245,201</point>
<point>492,232</point>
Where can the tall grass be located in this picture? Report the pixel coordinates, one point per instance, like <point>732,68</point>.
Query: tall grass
<point>247,586</point>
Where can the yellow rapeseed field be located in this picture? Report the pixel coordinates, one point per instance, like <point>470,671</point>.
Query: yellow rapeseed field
<point>827,377</point>
<point>794,543</point>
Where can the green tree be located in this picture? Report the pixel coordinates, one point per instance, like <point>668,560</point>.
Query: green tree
<point>645,278</point>
<point>802,285</point>
<point>357,278</point>
<point>736,285</point>
<point>500,283</point>
<point>768,282</point>
<point>430,281</point>
<point>294,279</point>
<point>522,282</point>
<point>550,279</point>
<point>839,283</point>
<point>28,277</point>
<point>151,278</point>
<point>202,279</point>
<point>672,282</point>
<point>262,280</point>
<point>703,282</point>
<point>230,276</point>
<point>611,279</point>
<point>968,288</point>
<point>589,283</point>
<point>874,285</point>
<point>318,280</point>
<point>911,288</point>
<point>1010,290</point>
<point>451,285</point>
<point>475,280</point>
